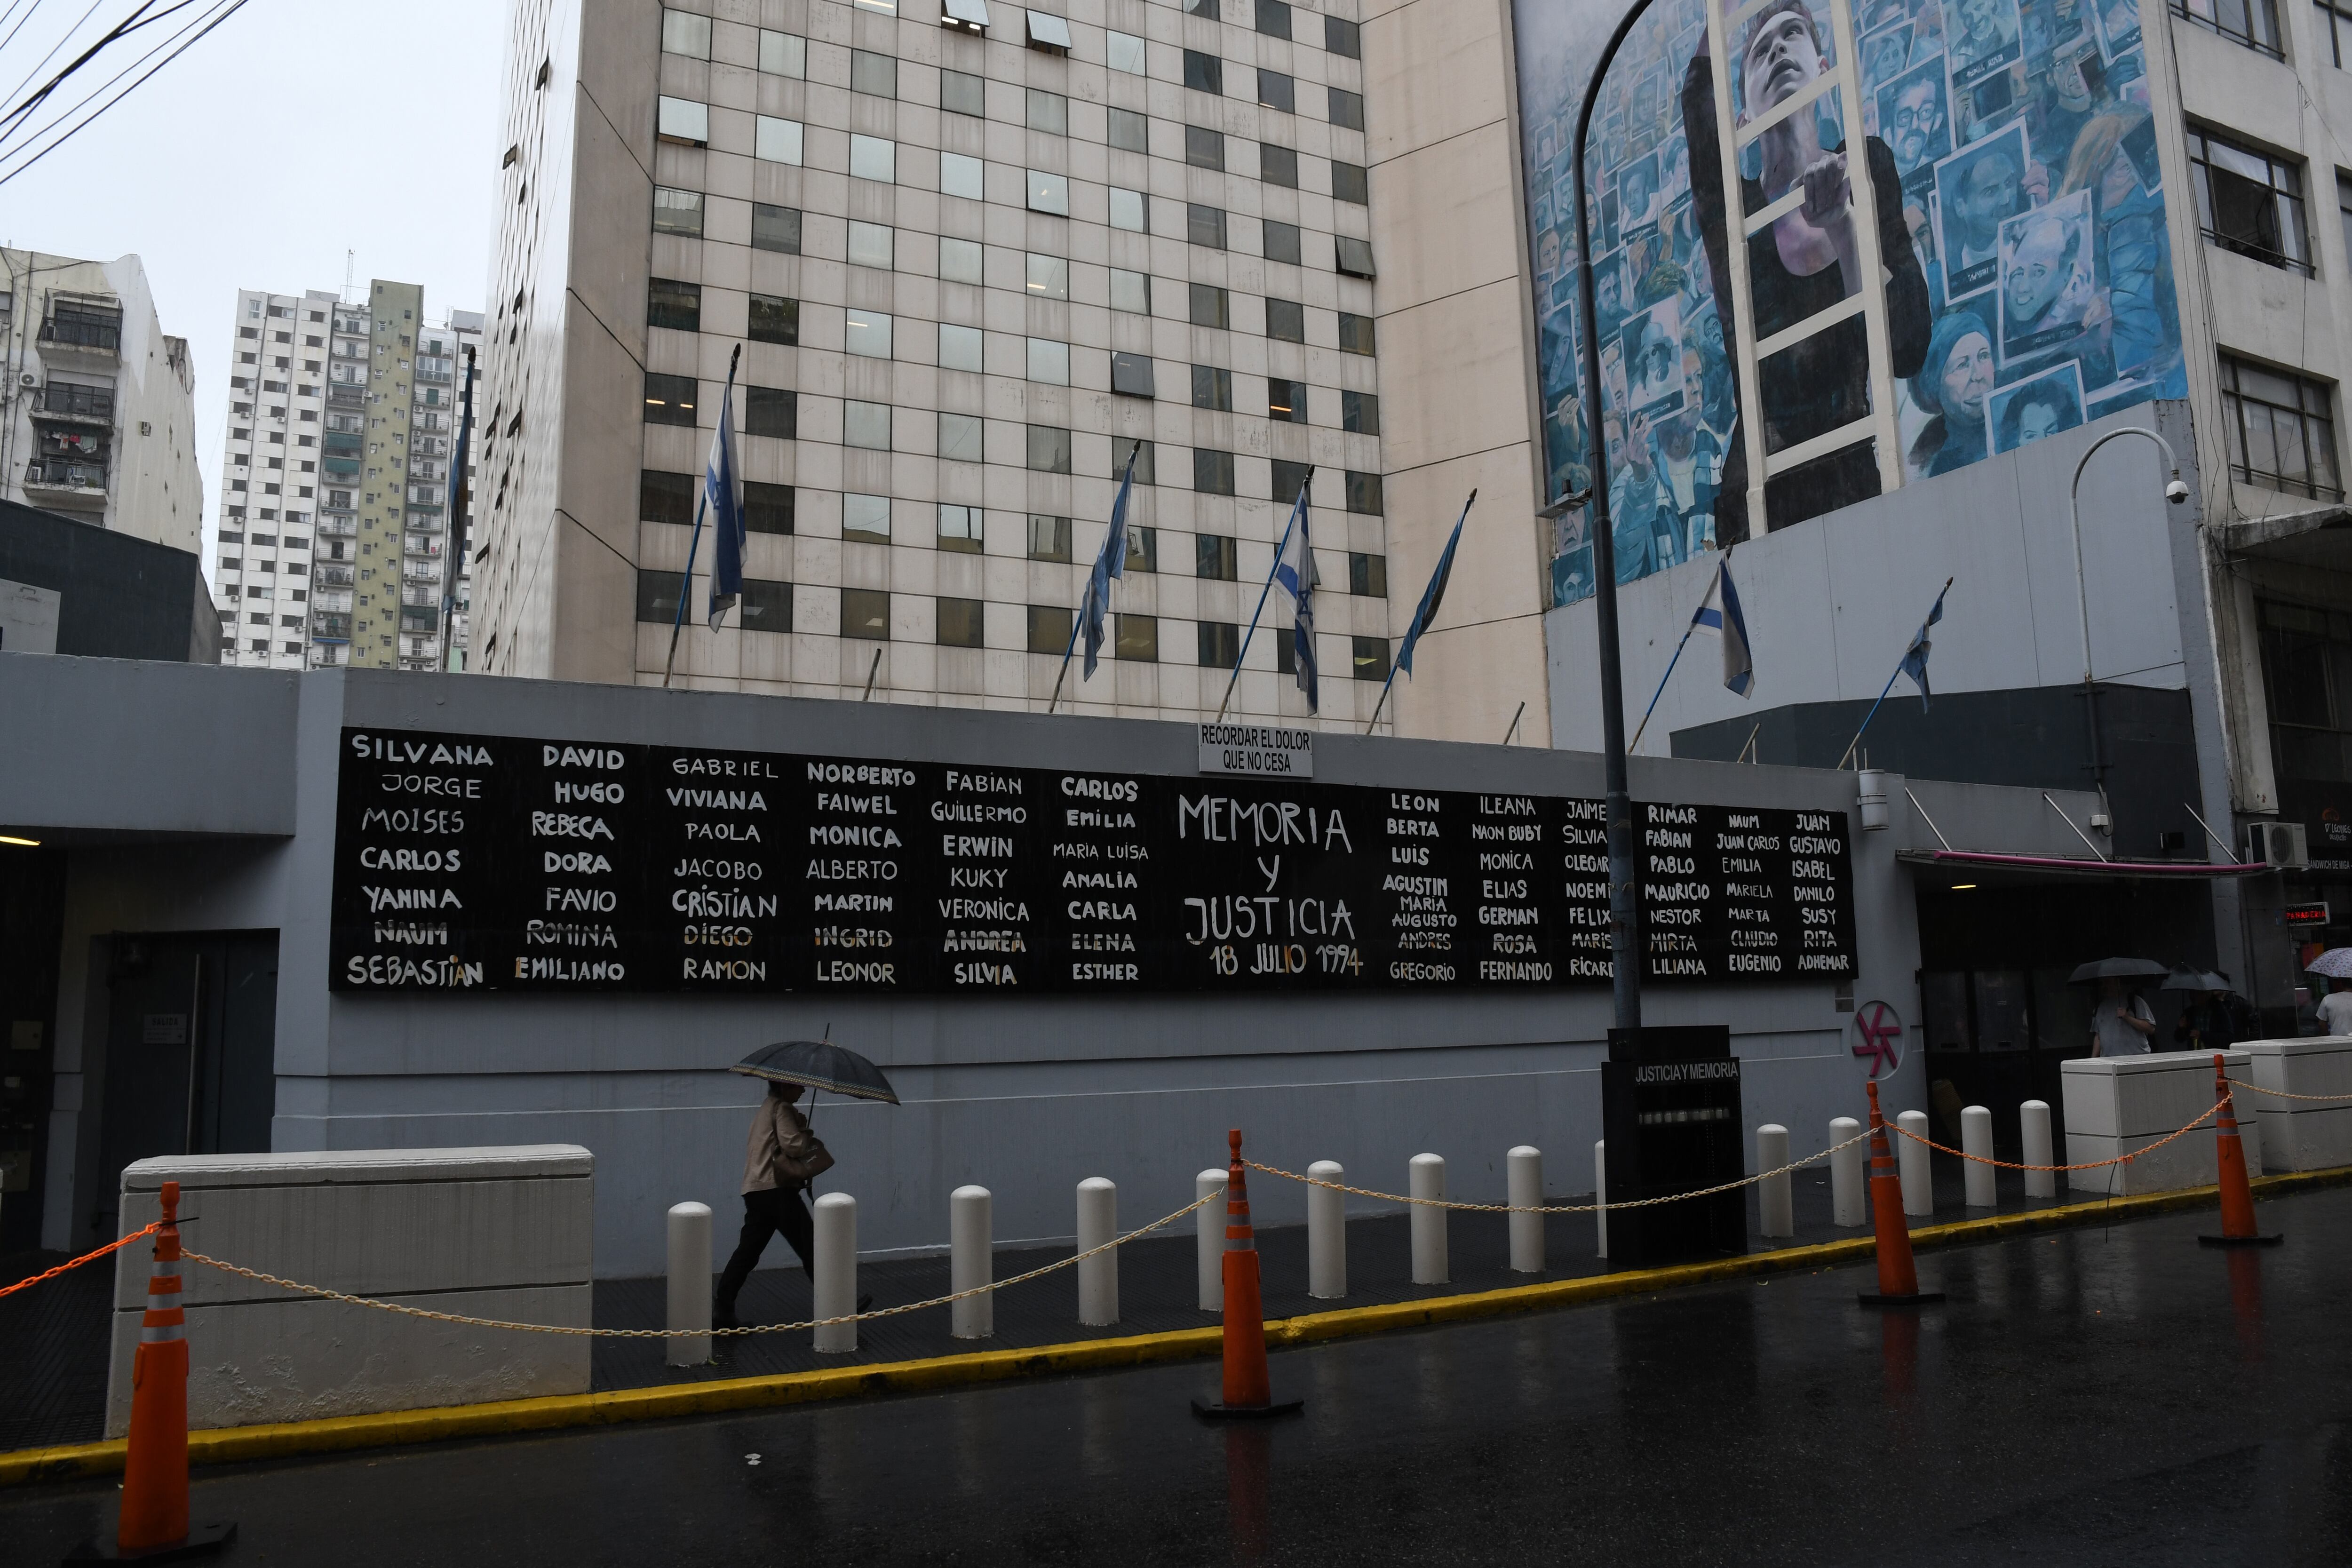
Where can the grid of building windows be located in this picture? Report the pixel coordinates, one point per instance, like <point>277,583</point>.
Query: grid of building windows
<point>2250,202</point>
<point>960,331</point>
<point>2281,430</point>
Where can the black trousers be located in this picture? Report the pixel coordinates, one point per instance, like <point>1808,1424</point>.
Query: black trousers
<point>765,1215</point>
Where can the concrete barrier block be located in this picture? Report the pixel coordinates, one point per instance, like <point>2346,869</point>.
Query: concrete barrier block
<point>2119,1105</point>
<point>500,1233</point>
<point>2299,1135</point>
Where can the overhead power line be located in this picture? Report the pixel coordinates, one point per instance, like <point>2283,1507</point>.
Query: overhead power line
<point>16,160</point>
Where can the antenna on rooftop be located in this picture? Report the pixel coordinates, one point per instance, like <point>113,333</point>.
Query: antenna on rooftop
<point>351,263</point>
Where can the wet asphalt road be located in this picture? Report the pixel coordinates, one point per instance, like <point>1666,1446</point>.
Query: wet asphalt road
<point>2123,1398</point>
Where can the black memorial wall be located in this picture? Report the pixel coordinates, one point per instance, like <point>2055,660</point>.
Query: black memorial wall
<point>514,864</point>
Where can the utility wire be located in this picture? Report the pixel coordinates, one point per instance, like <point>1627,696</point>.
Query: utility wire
<point>19,27</point>
<point>228,9</point>
<point>12,127</point>
<point>121,30</point>
<point>61,44</point>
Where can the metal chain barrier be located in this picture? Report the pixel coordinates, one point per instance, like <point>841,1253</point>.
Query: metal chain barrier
<point>2283,1094</point>
<point>78,1262</point>
<point>1561,1208</point>
<point>2085,1165</point>
<point>322,1292</point>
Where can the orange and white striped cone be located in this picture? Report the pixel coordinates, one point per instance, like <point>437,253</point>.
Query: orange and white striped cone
<point>154,1522</point>
<point>1248,1386</point>
<point>1898,1277</point>
<point>2230,1154</point>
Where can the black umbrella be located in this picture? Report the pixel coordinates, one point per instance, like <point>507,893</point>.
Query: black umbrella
<point>819,1064</point>
<point>2116,969</point>
<point>2194,980</point>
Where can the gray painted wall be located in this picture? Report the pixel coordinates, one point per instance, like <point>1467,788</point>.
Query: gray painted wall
<point>1024,1097</point>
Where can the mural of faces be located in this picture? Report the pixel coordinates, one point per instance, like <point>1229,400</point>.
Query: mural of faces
<point>2012,164</point>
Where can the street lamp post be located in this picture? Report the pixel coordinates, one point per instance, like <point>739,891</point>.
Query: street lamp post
<point>2175,492</point>
<point>1624,934</point>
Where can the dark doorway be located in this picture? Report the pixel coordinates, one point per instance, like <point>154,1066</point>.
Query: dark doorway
<point>191,1042</point>
<point>1999,1018</point>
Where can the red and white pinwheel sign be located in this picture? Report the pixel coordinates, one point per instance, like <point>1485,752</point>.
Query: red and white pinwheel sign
<point>1876,1034</point>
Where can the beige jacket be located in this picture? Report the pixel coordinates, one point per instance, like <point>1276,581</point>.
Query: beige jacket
<point>772,1123</point>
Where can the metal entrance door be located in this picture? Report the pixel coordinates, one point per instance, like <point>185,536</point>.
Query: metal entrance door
<point>192,1021</point>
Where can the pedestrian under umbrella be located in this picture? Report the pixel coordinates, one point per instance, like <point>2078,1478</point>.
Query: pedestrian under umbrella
<point>2334,1007</point>
<point>783,1156</point>
<point>2121,1025</point>
<point>2205,1023</point>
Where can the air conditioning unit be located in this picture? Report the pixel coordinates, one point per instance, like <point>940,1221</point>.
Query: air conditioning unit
<point>2284,844</point>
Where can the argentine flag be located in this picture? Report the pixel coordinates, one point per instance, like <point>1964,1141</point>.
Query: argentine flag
<point>1110,563</point>
<point>721,492</point>
<point>1296,572</point>
<point>1719,613</point>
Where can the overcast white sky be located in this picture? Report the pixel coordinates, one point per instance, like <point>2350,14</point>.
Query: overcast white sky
<point>232,167</point>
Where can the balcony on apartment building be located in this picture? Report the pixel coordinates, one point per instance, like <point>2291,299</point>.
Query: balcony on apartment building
<point>78,328</point>
<point>329,628</point>
<point>67,481</point>
<point>68,400</point>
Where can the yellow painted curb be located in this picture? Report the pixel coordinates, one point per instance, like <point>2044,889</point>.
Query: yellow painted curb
<point>389,1428</point>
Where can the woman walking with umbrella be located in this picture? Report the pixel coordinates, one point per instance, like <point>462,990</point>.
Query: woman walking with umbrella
<point>783,1155</point>
<point>2121,1025</point>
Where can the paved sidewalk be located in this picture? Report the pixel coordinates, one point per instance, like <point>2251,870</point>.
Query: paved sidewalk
<point>2117,1398</point>
<point>55,1392</point>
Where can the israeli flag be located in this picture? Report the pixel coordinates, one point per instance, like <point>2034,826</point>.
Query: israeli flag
<point>1111,563</point>
<point>1719,613</point>
<point>1296,572</point>
<point>721,492</point>
<point>1915,657</point>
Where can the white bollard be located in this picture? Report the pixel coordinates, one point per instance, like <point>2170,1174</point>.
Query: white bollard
<point>1776,1195</point>
<point>1976,1138</point>
<point>1327,1233</point>
<point>1525,1189</point>
<point>1601,1192</point>
<point>1849,1196</point>
<point>1428,1180</point>
<point>1097,1276</point>
<point>971,1261</point>
<point>690,1284</point>
<point>1911,1160</point>
<point>2033,1121</point>
<point>836,1270</point>
<point>1211,1240</point>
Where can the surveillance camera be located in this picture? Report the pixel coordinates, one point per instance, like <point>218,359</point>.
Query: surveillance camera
<point>2175,492</point>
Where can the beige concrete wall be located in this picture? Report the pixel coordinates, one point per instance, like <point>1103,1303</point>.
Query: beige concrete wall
<point>1457,367</point>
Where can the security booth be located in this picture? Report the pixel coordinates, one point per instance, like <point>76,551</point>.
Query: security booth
<point>1671,1114</point>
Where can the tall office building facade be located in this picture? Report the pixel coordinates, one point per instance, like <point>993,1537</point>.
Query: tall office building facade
<point>334,528</point>
<point>977,262</point>
<point>97,402</point>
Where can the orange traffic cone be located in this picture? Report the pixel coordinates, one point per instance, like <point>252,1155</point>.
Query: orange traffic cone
<point>2237,1193</point>
<point>1898,1277</point>
<point>1248,1388</point>
<point>154,1523</point>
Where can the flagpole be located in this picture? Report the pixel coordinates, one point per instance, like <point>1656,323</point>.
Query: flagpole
<point>1635,743</point>
<point>1263,593</point>
<point>1866,718</point>
<point>1383,701</point>
<point>1075,621</point>
<point>686,585</point>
